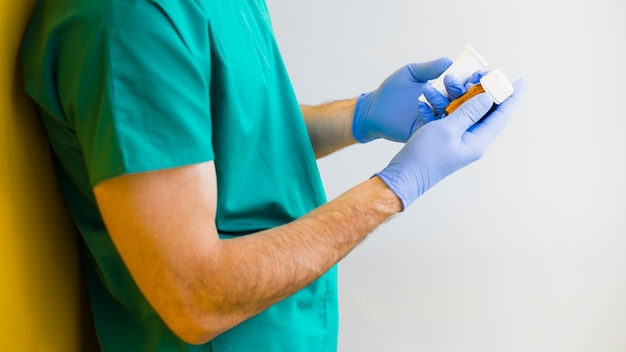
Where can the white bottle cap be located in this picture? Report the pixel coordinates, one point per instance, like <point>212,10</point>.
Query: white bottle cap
<point>497,86</point>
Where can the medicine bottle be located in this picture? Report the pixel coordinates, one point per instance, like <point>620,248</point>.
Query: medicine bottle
<point>495,84</point>
<point>463,66</point>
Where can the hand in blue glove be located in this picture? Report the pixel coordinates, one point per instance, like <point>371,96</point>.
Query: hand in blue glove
<point>391,111</point>
<point>446,145</point>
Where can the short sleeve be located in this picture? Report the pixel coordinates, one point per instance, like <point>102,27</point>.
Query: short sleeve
<point>133,80</point>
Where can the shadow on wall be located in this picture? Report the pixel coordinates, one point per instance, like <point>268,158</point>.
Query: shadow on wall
<point>43,303</point>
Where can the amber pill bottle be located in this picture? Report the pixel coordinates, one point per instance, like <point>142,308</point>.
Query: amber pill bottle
<point>495,84</point>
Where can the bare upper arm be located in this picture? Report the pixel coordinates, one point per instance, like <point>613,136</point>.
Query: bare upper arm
<point>163,225</point>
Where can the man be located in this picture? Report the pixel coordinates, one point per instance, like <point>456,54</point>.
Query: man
<point>190,170</point>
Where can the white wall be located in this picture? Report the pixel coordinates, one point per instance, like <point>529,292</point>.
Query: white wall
<point>524,250</point>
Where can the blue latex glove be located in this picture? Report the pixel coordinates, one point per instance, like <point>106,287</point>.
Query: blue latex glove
<point>391,111</point>
<point>446,145</point>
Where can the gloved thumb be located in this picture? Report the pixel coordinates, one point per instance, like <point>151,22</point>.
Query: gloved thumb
<point>471,112</point>
<point>424,71</point>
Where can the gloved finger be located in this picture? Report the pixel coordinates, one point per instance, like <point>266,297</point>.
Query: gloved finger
<point>475,78</point>
<point>470,112</point>
<point>425,113</point>
<point>424,71</point>
<point>436,99</point>
<point>454,87</point>
<point>489,128</point>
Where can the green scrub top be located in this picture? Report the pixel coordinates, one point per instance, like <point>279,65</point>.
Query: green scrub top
<point>128,86</point>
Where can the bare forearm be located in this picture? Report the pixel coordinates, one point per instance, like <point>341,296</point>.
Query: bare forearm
<point>329,125</point>
<point>162,224</point>
<point>254,272</point>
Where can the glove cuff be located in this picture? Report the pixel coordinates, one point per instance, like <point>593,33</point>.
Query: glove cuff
<point>394,180</point>
<point>359,121</point>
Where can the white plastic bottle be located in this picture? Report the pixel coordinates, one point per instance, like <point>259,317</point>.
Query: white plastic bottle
<point>462,68</point>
